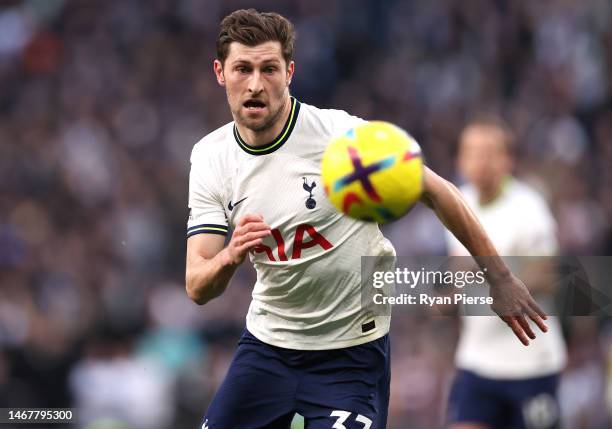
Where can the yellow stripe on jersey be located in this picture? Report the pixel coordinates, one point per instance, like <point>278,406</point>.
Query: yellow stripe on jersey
<point>207,229</point>
<point>276,143</point>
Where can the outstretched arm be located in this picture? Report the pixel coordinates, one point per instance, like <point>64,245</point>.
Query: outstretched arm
<point>511,299</point>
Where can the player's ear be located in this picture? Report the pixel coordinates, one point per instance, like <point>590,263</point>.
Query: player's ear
<point>218,68</point>
<point>290,70</point>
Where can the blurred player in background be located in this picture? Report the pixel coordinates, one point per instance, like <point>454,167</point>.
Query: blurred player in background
<point>500,383</point>
<point>309,346</point>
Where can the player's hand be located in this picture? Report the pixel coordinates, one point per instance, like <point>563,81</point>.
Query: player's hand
<point>248,234</point>
<point>513,303</point>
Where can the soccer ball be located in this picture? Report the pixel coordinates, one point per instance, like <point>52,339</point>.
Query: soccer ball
<point>373,172</point>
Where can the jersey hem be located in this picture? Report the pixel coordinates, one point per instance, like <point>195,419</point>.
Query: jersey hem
<point>338,344</point>
<point>501,375</point>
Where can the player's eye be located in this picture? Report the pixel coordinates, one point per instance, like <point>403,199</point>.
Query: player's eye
<point>269,69</point>
<point>242,69</point>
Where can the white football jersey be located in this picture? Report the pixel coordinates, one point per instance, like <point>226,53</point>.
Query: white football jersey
<point>307,295</point>
<point>520,224</point>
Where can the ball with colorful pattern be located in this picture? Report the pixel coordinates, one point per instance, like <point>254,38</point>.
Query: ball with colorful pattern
<point>373,172</point>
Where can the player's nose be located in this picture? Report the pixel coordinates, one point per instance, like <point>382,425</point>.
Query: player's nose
<point>256,83</point>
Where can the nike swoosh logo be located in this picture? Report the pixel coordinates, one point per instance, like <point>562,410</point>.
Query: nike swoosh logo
<point>231,207</point>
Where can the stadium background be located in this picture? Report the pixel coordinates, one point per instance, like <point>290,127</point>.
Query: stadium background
<point>101,102</point>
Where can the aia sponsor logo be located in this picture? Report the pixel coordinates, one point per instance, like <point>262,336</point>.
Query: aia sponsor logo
<point>300,242</point>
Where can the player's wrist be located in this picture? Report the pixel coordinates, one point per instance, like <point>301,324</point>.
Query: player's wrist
<point>228,260</point>
<point>498,278</point>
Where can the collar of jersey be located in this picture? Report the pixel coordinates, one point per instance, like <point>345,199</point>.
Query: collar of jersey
<point>506,182</point>
<point>278,141</point>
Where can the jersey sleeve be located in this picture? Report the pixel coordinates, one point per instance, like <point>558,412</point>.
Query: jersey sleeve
<point>342,122</point>
<point>206,212</point>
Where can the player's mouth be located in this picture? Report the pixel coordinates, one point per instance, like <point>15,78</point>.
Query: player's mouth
<point>254,106</point>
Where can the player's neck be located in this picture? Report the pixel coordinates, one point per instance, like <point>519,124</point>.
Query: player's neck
<point>489,196</point>
<point>261,138</point>
<point>486,198</point>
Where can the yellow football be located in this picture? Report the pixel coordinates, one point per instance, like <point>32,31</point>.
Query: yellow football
<point>373,172</point>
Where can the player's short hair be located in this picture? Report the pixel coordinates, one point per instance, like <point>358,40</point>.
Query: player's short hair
<point>252,28</point>
<point>491,120</point>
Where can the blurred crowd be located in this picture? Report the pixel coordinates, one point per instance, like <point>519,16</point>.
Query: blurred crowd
<point>100,105</point>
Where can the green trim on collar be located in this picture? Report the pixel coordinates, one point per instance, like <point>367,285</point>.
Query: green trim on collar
<point>278,141</point>
<point>501,191</point>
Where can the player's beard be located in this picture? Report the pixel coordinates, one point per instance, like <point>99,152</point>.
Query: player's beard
<point>267,123</point>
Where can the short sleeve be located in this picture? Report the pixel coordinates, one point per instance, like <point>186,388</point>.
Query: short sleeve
<point>342,122</point>
<point>206,212</point>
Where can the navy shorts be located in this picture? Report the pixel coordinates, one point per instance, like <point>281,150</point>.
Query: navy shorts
<point>518,404</point>
<point>266,385</point>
